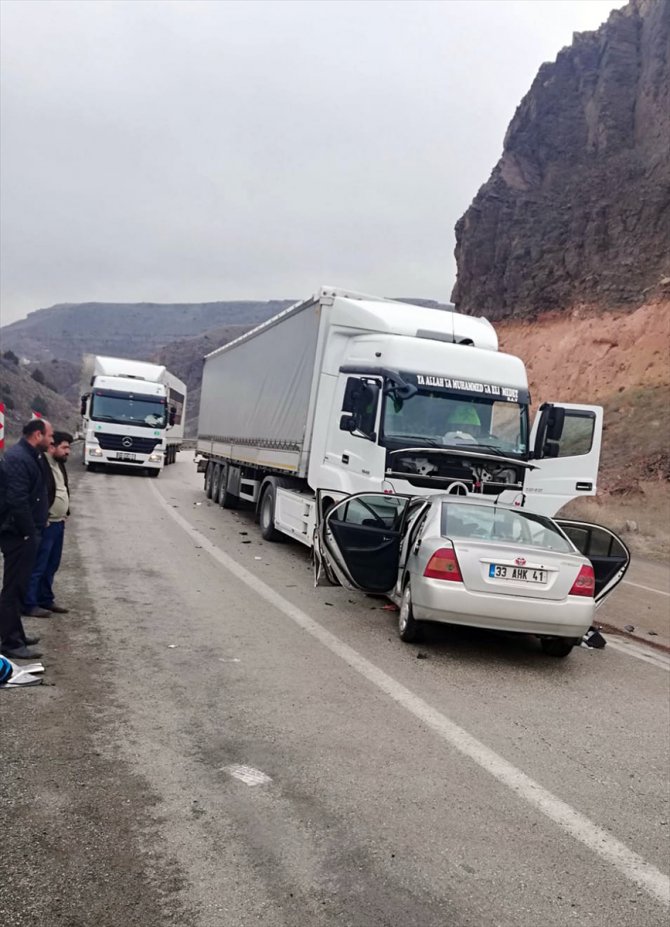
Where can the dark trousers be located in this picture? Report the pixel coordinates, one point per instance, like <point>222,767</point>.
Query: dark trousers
<point>19,556</point>
<point>40,588</point>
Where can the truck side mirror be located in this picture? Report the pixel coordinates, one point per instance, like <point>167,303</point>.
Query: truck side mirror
<point>83,404</point>
<point>555,422</point>
<point>172,417</point>
<point>359,408</point>
<point>552,419</point>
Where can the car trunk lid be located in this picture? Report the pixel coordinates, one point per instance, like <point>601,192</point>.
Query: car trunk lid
<point>512,569</point>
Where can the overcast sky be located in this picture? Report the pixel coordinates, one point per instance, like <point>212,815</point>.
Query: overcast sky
<point>171,151</point>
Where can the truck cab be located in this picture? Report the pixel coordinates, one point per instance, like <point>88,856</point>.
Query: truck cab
<point>424,410</point>
<point>125,423</point>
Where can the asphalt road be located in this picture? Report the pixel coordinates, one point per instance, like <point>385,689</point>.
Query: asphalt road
<point>221,744</point>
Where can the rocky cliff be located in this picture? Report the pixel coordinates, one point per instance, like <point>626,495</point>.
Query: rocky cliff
<point>577,210</point>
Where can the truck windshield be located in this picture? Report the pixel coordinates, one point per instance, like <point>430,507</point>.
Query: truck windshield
<point>440,418</point>
<point>129,409</point>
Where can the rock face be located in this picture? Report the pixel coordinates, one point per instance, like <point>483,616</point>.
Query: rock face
<point>577,210</point>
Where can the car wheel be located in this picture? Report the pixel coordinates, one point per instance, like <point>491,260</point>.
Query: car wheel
<point>409,629</point>
<point>556,646</point>
<point>266,515</point>
<point>209,479</point>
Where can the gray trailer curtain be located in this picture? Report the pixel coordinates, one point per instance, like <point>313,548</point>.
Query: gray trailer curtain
<point>260,388</point>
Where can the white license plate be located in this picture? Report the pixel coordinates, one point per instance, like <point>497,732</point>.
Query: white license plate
<point>122,456</point>
<point>517,574</point>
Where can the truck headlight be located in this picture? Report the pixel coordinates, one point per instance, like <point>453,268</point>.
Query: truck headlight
<point>94,452</point>
<point>155,458</point>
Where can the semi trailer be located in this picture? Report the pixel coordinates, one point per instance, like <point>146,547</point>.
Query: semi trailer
<point>345,393</point>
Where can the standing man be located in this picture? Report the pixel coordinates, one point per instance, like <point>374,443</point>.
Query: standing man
<point>40,597</point>
<point>24,514</point>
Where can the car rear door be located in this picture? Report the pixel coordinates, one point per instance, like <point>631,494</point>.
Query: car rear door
<point>607,552</point>
<point>358,541</point>
<point>565,444</point>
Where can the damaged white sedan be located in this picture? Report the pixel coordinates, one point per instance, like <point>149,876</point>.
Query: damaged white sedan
<point>473,561</point>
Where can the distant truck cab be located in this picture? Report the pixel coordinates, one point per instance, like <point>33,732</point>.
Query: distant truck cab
<point>133,414</point>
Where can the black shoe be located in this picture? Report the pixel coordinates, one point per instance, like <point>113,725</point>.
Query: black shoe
<point>36,612</point>
<point>21,653</point>
<point>31,640</point>
<point>57,609</point>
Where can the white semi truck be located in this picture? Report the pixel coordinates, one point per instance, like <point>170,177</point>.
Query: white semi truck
<point>345,393</point>
<point>133,414</point>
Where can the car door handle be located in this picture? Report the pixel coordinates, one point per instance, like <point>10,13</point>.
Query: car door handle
<point>345,458</point>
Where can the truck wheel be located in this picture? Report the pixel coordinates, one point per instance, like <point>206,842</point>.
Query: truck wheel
<point>209,479</point>
<point>225,498</point>
<point>266,514</point>
<point>409,629</point>
<point>556,646</point>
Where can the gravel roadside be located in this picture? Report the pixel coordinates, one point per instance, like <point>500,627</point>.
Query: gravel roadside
<point>79,840</point>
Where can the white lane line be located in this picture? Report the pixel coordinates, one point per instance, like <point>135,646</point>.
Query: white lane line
<point>247,774</point>
<point>628,582</point>
<point>577,825</point>
<point>631,649</point>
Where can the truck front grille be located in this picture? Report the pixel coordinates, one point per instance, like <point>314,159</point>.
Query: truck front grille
<point>120,443</point>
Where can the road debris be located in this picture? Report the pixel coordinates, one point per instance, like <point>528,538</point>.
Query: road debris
<point>629,627</point>
<point>593,638</point>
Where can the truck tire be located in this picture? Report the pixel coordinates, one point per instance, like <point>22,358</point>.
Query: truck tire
<point>225,498</point>
<point>216,481</point>
<point>209,479</point>
<point>266,515</point>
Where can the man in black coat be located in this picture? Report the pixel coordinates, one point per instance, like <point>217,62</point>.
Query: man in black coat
<point>24,509</point>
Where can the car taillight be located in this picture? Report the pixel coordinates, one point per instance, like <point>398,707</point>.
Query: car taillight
<point>444,565</point>
<point>585,584</point>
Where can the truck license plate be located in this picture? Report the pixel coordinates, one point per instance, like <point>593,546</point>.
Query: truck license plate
<point>123,456</point>
<point>518,574</point>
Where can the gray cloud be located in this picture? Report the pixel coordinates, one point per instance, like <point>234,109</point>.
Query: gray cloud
<point>178,151</point>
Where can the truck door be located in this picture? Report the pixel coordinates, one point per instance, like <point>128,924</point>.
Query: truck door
<point>565,450</point>
<point>606,551</point>
<point>359,541</point>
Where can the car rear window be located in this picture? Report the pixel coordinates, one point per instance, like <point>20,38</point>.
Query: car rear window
<point>493,523</point>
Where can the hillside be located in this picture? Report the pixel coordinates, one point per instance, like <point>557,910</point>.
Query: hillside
<point>21,394</point>
<point>576,210</point>
<point>68,331</point>
<point>617,359</point>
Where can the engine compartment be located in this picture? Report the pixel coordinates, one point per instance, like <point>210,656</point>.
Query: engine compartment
<point>426,468</point>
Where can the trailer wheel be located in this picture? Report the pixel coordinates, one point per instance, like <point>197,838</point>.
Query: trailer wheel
<point>209,479</point>
<point>225,498</point>
<point>266,514</point>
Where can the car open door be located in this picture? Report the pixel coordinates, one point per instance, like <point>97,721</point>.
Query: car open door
<point>358,541</point>
<point>606,551</point>
<point>565,450</point>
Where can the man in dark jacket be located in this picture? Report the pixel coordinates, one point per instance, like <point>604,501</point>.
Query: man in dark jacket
<point>24,514</point>
<point>40,602</point>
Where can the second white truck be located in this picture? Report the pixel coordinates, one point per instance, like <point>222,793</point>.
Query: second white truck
<point>345,393</point>
<point>133,414</point>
